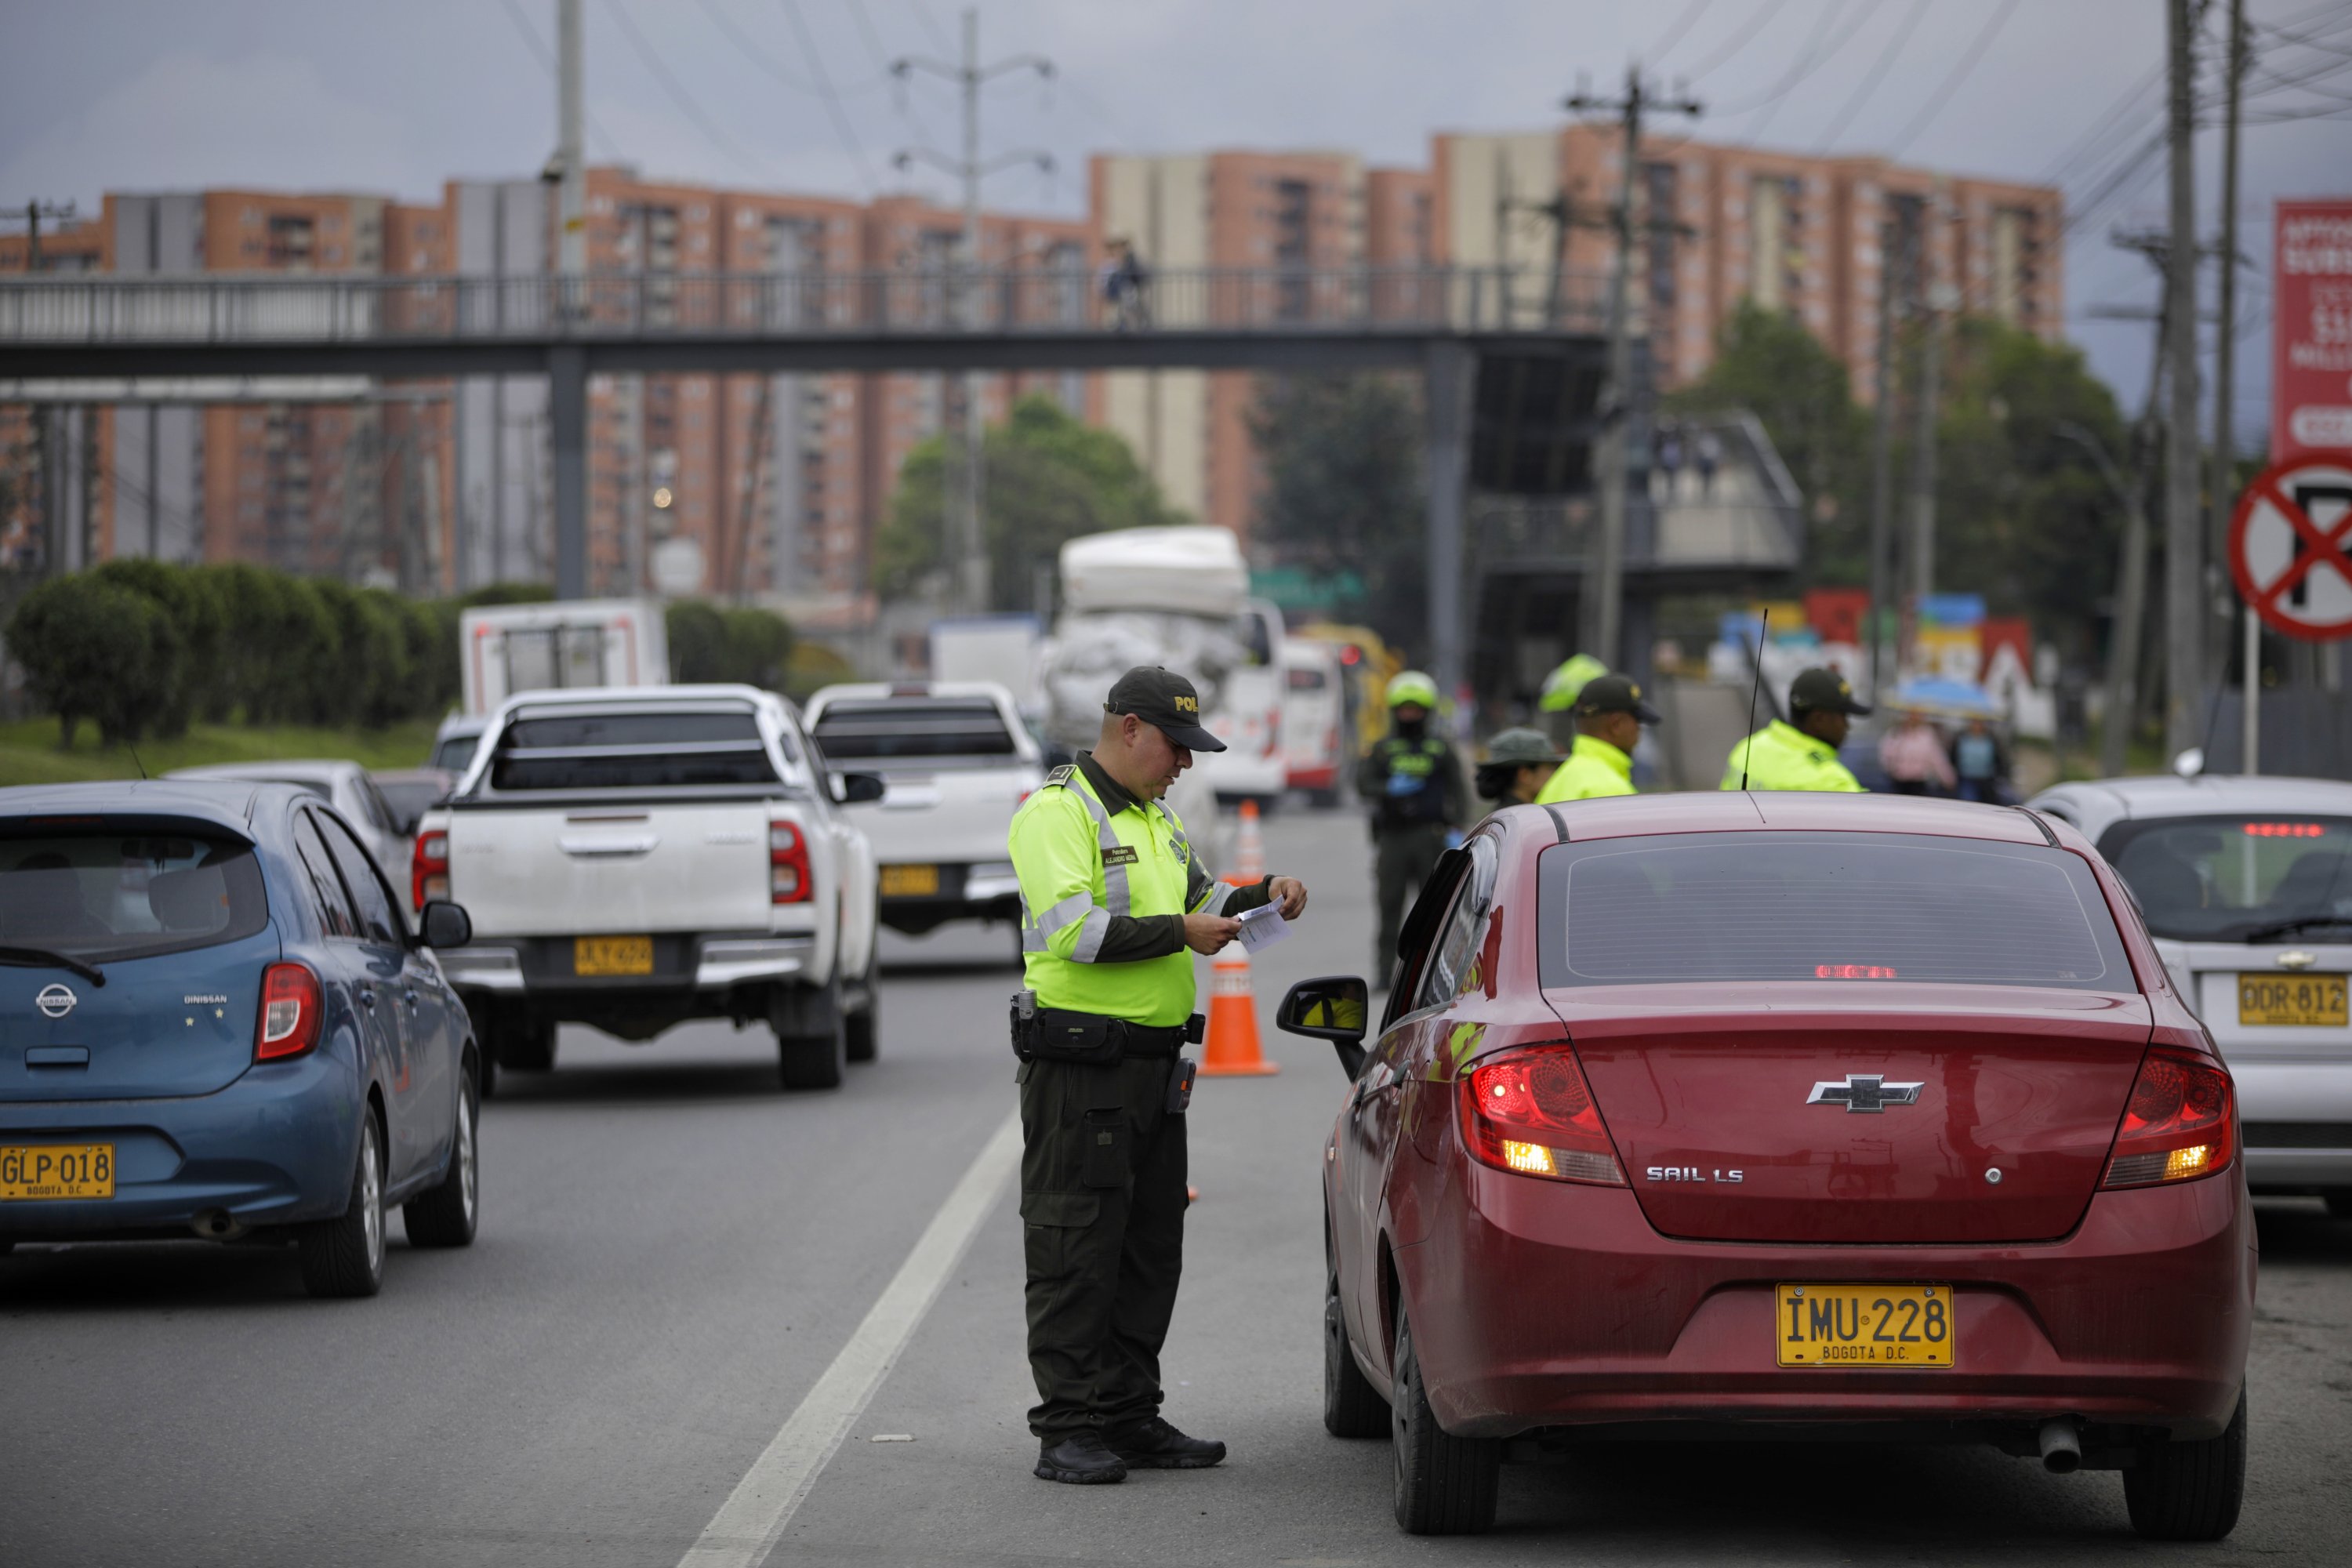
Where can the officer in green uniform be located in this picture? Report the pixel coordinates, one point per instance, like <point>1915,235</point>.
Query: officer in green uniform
<point>1802,752</point>
<point>1518,763</point>
<point>1610,714</point>
<point>1414,783</point>
<point>1114,903</point>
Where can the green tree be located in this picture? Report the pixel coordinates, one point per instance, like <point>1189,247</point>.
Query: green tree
<point>278,647</point>
<point>1767,362</point>
<point>95,650</point>
<point>187,600</point>
<point>1050,479</point>
<point>1341,456</point>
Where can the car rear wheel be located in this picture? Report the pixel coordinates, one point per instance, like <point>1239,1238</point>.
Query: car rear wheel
<point>344,1256</point>
<point>864,1024</point>
<point>1352,1408</point>
<point>445,1215</point>
<point>1444,1485</point>
<point>2190,1491</point>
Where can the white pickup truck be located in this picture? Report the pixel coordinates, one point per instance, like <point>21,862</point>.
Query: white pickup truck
<point>636,857</point>
<point>955,762</point>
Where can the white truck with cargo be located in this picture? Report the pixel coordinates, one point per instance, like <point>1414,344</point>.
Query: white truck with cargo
<point>955,762</point>
<point>558,645</point>
<point>635,858</point>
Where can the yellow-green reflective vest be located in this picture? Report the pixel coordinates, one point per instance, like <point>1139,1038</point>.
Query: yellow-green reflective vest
<point>1080,865</point>
<point>1593,769</point>
<point>1782,756</point>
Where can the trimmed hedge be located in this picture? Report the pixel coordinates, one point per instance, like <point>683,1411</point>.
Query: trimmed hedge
<point>144,647</point>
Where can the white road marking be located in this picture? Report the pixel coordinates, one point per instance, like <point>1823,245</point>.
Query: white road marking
<point>745,1529</point>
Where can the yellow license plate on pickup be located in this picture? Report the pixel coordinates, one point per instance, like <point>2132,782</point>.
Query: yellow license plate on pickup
<point>2291,1001</point>
<point>612,956</point>
<point>1865,1325</point>
<point>909,881</point>
<point>31,1172</point>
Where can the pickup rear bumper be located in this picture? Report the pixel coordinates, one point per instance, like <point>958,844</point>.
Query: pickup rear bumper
<point>540,966</point>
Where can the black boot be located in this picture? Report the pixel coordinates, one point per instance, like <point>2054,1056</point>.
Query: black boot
<point>1081,1460</point>
<point>1154,1444</point>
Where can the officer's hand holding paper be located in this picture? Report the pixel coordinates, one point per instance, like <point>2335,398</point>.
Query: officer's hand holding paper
<point>1262,926</point>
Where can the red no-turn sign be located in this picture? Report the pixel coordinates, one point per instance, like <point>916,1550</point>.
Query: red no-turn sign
<point>2291,546</point>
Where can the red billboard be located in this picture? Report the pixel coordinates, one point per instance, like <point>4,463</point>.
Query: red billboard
<point>2311,330</point>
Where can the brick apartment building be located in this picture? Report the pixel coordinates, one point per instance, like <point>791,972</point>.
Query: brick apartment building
<point>772,486</point>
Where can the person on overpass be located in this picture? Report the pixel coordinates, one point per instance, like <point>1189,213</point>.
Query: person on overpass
<point>1801,752</point>
<point>1413,780</point>
<point>1609,718</point>
<point>1518,763</point>
<point>1114,903</point>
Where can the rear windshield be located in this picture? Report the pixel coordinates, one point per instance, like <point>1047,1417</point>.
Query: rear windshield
<point>2239,878</point>
<point>455,753</point>
<point>631,751</point>
<point>904,728</point>
<point>101,895</point>
<point>1307,681</point>
<point>1825,906</point>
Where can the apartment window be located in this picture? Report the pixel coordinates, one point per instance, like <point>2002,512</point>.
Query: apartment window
<point>291,241</point>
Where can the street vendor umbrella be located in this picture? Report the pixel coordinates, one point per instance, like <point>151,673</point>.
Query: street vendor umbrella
<point>1945,697</point>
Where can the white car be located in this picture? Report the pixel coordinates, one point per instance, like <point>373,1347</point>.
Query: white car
<point>1315,719</point>
<point>342,785</point>
<point>1248,715</point>
<point>632,858</point>
<point>2246,884</point>
<point>956,761</point>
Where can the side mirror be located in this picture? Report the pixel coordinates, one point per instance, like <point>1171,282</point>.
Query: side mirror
<point>856,789</point>
<point>447,925</point>
<point>1335,1008</point>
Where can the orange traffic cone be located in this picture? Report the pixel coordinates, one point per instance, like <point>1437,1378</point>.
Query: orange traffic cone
<point>1249,850</point>
<point>1232,1050</point>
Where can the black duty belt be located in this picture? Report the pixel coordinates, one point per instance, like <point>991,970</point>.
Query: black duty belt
<point>1059,1035</point>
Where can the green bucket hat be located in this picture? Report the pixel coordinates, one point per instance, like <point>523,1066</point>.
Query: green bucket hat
<point>1521,748</point>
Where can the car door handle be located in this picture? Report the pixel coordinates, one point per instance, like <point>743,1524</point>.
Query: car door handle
<point>367,996</point>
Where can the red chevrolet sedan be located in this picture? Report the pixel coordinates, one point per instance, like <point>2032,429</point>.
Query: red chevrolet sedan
<point>1712,1115</point>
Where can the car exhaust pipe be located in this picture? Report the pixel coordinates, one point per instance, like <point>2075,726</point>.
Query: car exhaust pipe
<point>217,1225</point>
<point>2062,1446</point>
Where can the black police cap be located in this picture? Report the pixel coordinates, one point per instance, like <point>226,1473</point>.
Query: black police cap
<point>1825,691</point>
<point>1614,694</point>
<point>1166,699</point>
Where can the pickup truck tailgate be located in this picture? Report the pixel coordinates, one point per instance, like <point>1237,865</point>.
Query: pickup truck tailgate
<point>695,866</point>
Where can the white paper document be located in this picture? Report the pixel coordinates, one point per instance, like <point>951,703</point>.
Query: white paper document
<point>1262,928</point>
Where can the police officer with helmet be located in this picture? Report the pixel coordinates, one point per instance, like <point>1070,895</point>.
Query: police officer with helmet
<point>1414,783</point>
<point>1801,753</point>
<point>1114,903</point>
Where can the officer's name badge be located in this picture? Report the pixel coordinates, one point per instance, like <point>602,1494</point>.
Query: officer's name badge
<point>1123,855</point>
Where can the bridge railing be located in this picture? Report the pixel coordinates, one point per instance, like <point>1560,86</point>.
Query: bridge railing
<point>276,307</point>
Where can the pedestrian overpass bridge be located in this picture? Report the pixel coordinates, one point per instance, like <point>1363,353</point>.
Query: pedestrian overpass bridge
<point>1512,362</point>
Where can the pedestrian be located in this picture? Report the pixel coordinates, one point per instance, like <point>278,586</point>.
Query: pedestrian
<point>1670,456</point>
<point>1914,757</point>
<point>1980,762</point>
<point>1135,310</point>
<point>1112,280</point>
<point>1415,782</point>
<point>1609,719</point>
<point>1518,763</point>
<point>1114,903</point>
<point>1710,448</point>
<point>1801,752</point>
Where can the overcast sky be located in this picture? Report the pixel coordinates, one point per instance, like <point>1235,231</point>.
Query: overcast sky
<point>395,97</point>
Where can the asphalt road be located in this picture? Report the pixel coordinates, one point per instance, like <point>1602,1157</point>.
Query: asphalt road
<point>673,1253</point>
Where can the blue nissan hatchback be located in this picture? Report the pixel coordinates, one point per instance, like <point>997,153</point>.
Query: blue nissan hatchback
<point>215,1021</point>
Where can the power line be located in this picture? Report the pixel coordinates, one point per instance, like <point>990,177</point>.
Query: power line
<point>1951,82</point>
<point>1674,34</point>
<point>760,57</point>
<point>1811,58</point>
<point>1873,78</point>
<point>841,126</point>
<point>677,95</point>
<point>1754,25</point>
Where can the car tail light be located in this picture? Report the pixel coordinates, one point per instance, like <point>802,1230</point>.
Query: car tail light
<point>1531,1111</point>
<point>788,864</point>
<point>290,1009</point>
<point>429,868</point>
<point>2179,1125</point>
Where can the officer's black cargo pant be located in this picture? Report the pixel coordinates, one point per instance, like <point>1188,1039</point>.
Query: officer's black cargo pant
<point>1102,1211</point>
<point>1402,859</point>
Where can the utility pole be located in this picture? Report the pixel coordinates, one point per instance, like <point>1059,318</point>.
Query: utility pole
<point>567,363</point>
<point>2184,523</point>
<point>35,211</point>
<point>1882,445</point>
<point>2250,732</point>
<point>968,508</point>
<point>1601,612</point>
<point>1931,372</point>
<point>571,181</point>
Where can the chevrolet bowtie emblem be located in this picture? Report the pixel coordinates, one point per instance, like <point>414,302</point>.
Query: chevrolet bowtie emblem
<point>1863,1091</point>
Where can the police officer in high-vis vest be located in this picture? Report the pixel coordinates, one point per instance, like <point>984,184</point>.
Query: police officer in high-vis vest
<point>1415,782</point>
<point>1802,752</point>
<point>1610,714</point>
<point>1114,903</point>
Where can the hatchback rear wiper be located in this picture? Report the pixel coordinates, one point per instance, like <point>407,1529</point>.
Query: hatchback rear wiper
<point>41,957</point>
<point>2290,927</point>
